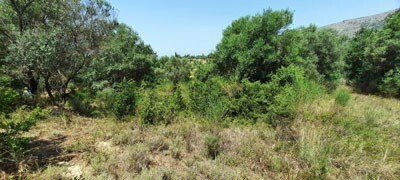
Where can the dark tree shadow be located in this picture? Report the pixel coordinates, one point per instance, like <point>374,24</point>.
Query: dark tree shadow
<point>47,152</point>
<point>39,155</point>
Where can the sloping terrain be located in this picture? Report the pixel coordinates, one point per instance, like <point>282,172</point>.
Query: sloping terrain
<point>351,26</point>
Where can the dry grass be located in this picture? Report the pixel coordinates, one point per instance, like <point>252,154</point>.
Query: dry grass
<point>358,141</point>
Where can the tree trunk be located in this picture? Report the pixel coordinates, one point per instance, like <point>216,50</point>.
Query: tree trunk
<point>33,83</point>
<point>48,90</point>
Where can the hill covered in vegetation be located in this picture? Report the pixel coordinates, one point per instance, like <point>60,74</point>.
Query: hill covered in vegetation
<point>83,97</point>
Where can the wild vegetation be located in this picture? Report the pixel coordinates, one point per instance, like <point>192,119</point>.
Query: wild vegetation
<point>83,97</point>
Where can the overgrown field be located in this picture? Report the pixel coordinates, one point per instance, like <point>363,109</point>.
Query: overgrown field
<point>358,139</point>
<point>83,97</point>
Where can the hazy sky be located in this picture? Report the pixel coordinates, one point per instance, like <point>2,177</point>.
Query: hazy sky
<point>195,26</point>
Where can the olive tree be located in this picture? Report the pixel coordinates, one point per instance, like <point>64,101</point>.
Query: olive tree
<point>62,46</point>
<point>123,55</point>
<point>251,46</point>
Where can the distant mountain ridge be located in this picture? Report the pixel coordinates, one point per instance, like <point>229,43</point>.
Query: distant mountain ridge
<point>351,26</point>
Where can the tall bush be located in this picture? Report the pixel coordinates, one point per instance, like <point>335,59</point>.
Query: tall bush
<point>374,58</point>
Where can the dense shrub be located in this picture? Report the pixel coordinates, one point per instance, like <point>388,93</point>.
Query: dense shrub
<point>250,103</point>
<point>161,104</point>
<point>204,71</point>
<point>81,102</point>
<point>373,59</point>
<point>288,89</point>
<point>390,85</point>
<point>209,99</point>
<point>323,52</point>
<point>104,100</point>
<point>274,102</point>
<point>256,47</point>
<point>120,100</point>
<point>7,95</point>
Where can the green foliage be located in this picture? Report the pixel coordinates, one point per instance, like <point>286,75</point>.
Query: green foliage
<point>373,58</point>
<point>254,47</point>
<point>251,103</point>
<point>363,61</point>
<point>212,145</point>
<point>204,71</point>
<point>104,100</point>
<point>12,145</point>
<point>391,83</point>
<point>7,94</point>
<point>161,104</point>
<point>81,102</point>
<point>288,89</point>
<point>342,97</point>
<point>174,68</point>
<point>57,49</point>
<point>209,99</point>
<point>123,56</point>
<point>123,99</point>
<point>275,102</point>
<point>323,51</point>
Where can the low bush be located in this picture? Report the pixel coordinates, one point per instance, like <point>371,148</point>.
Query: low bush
<point>8,95</point>
<point>251,102</point>
<point>342,97</point>
<point>212,145</point>
<point>275,102</point>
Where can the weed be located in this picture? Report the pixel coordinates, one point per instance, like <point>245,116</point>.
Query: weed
<point>158,143</point>
<point>176,148</point>
<point>127,137</point>
<point>342,97</point>
<point>212,145</point>
<point>156,174</point>
<point>51,172</point>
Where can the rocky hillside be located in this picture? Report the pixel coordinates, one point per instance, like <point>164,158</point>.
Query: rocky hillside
<point>351,26</point>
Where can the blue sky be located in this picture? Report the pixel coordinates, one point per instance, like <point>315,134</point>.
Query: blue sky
<point>195,26</point>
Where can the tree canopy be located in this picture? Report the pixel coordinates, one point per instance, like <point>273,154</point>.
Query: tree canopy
<point>55,41</point>
<point>374,61</point>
